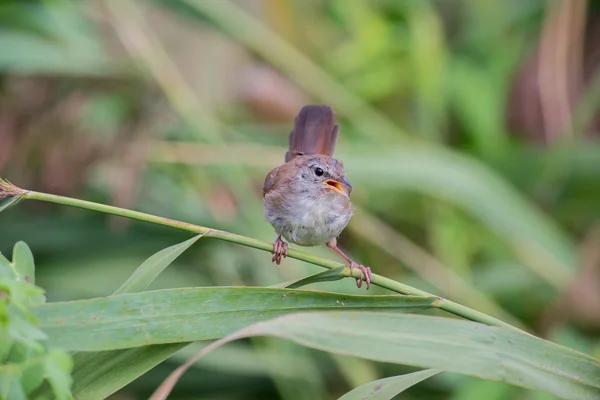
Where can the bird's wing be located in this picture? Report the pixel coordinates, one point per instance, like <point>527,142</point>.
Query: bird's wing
<point>272,179</point>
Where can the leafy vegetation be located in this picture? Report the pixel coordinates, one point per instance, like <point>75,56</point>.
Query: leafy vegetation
<point>28,359</point>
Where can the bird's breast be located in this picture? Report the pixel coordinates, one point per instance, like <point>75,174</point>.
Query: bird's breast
<point>310,220</point>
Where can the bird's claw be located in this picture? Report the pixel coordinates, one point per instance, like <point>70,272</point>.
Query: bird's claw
<point>365,272</point>
<point>280,248</point>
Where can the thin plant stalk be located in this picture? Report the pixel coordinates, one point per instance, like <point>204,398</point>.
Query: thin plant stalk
<point>381,281</point>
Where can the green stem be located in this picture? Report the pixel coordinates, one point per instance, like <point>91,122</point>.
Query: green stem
<point>378,280</point>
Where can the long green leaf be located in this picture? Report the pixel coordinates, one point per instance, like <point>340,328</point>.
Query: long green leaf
<point>446,344</point>
<point>190,314</point>
<point>145,274</point>
<point>387,388</point>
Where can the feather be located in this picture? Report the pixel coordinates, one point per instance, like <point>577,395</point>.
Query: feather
<point>315,132</point>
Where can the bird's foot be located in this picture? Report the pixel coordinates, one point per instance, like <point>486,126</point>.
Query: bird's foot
<point>365,271</point>
<point>280,248</point>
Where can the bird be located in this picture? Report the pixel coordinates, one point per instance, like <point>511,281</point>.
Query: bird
<point>307,198</point>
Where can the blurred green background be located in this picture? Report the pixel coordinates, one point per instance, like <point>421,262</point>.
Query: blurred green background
<point>468,130</point>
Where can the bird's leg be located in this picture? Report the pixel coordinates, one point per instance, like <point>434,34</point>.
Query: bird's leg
<point>366,271</point>
<point>280,248</point>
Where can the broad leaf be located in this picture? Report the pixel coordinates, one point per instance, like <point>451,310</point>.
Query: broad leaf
<point>446,344</point>
<point>190,314</point>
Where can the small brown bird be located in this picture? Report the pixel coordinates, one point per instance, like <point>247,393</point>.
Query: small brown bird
<point>307,199</point>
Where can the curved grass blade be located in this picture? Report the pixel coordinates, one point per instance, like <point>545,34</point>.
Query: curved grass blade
<point>145,274</point>
<point>190,314</point>
<point>329,275</point>
<point>446,344</point>
<point>387,388</point>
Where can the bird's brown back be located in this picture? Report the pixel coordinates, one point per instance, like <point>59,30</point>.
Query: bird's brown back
<point>315,132</point>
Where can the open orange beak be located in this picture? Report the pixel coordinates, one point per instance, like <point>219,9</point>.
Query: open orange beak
<point>342,186</point>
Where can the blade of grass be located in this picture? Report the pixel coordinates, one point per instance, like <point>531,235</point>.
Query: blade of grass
<point>190,314</point>
<point>325,276</point>
<point>446,344</point>
<point>145,274</point>
<point>387,388</point>
<point>378,280</point>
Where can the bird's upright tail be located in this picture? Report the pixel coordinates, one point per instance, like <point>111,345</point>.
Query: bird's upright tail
<point>315,132</point>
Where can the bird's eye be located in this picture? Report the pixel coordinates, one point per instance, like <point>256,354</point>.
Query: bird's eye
<point>318,171</point>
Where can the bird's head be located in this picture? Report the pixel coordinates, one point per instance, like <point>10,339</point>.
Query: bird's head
<point>322,173</point>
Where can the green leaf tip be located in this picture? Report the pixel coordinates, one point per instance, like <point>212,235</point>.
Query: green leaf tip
<point>324,276</point>
<point>145,274</point>
<point>387,388</point>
